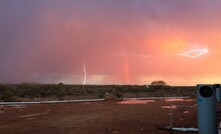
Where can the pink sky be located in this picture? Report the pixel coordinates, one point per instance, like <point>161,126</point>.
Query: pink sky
<point>50,41</point>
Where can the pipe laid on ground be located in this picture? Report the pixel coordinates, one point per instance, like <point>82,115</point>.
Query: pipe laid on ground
<point>88,100</point>
<point>191,129</point>
<point>49,102</point>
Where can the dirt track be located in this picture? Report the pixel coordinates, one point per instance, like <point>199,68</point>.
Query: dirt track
<point>109,117</point>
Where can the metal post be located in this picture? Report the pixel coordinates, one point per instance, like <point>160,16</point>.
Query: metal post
<point>171,115</point>
<point>206,109</point>
<point>218,92</point>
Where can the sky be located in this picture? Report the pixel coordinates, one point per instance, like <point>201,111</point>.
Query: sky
<point>110,41</point>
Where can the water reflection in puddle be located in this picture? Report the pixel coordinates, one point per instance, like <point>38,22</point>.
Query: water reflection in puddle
<point>136,101</point>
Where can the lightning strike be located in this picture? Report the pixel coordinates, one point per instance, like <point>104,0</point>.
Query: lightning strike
<point>85,75</point>
<point>190,54</point>
<point>198,53</point>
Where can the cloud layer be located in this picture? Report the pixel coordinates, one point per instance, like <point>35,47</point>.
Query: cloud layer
<point>49,41</point>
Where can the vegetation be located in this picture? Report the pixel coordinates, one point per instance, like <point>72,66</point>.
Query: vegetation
<point>27,91</point>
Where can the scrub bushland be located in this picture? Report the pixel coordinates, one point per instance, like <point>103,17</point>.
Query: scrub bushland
<point>60,91</point>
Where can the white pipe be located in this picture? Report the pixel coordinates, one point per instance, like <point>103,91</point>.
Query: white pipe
<point>49,102</point>
<point>185,129</point>
<point>89,100</point>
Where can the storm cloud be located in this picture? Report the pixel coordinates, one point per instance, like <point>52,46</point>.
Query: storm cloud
<point>50,41</point>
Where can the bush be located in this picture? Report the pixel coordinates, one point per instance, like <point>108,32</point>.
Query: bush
<point>117,93</point>
<point>6,93</point>
<point>101,95</point>
<point>8,96</point>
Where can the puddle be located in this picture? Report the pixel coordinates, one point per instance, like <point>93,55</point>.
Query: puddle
<point>169,100</point>
<point>136,101</point>
<point>168,107</point>
<point>48,110</point>
<point>186,112</point>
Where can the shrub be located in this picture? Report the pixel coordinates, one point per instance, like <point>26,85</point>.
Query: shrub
<point>117,93</point>
<point>7,93</point>
<point>8,96</point>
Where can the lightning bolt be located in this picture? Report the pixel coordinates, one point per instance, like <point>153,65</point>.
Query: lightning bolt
<point>198,53</point>
<point>85,75</point>
<point>190,54</point>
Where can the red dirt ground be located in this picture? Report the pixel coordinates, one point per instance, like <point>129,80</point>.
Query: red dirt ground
<point>108,117</point>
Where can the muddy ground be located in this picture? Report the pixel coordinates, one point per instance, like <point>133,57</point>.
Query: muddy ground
<point>107,117</point>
